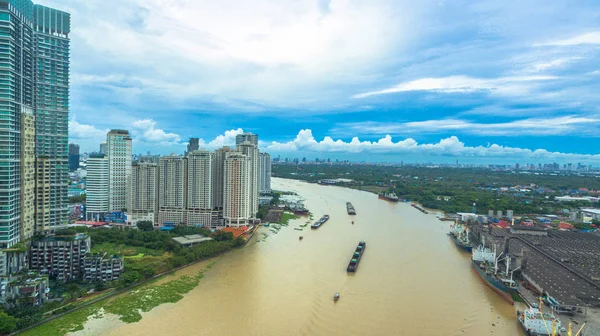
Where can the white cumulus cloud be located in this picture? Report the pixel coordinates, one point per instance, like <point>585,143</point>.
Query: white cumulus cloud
<point>145,130</point>
<point>451,146</point>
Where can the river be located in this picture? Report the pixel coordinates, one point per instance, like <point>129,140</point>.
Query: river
<point>412,280</point>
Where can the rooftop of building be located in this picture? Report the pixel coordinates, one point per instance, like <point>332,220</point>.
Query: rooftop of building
<point>592,211</point>
<point>191,239</point>
<point>236,231</point>
<point>66,237</point>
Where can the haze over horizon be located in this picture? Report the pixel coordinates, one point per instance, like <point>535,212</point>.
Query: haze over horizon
<point>429,81</point>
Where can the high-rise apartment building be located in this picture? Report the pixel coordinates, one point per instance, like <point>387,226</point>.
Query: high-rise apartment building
<point>251,151</point>
<point>42,194</point>
<point>218,169</point>
<point>34,51</point>
<point>143,192</point>
<point>194,144</point>
<point>199,188</point>
<point>236,190</point>
<point>246,137</point>
<point>102,149</point>
<point>97,187</point>
<point>27,174</point>
<point>265,173</point>
<point>119,168</point>
<point>73,157</point>
<point>172,190</point>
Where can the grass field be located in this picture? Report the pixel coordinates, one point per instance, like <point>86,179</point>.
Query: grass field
<point>127,251</point>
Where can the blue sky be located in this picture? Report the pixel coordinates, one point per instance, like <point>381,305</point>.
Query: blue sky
<point>481,81</point>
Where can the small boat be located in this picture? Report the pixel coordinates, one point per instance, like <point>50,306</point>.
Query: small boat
<point>300,238</point>
<point>336,296</point>
<point>266,224</point>
<point>352,222</point>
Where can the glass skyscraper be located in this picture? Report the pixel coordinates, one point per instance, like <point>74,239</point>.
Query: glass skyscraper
<point>34,76</point>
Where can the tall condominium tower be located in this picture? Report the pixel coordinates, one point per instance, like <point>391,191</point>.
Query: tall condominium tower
<point>265,173</point>
<point>143,191</point>
<point>102,148</point>
<point>172,189</point>
<point>34,51</point>
<point>73,157</point>
<point>218,169</point>
<point>97,187</point>
<point>251,151</point>
<point>119,168</point>
<point>236,191</point>
<point>193,145</point>
<point>199,188</point>
<point>246,137</point>
<point>27,174</point>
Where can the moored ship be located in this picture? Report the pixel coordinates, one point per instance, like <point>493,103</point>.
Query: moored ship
<point>460,235</point>
<point>485,263</point>
<point>320,222</point>
<point>535,322</point>
<point>350,209</point>
<point>389,197</point>
<point>360,249</point>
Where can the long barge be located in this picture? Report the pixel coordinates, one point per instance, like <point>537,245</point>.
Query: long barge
<point>350,209</point>
<point>353,264</point>
<point>485,263</point>
<point>416,206</point>
<point>320,222</point>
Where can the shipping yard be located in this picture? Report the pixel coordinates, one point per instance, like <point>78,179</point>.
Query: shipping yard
<point>563,267</point>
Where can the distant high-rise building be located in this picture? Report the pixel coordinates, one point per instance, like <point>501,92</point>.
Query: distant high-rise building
<point>251,151</point>
<point>143,192</point>
<point>35,74</point>
<point>119,168</point>
<point>199,188</point>
<point>172,172</point>
<point>73,157</point>
<point>246,137</point>
<point>97,187</point>
<point>265,173</point>
<point>103,148</point>
<point>27,175</point>
<point>236,191</point>
<point>218,169</point>
<point>192,145</point>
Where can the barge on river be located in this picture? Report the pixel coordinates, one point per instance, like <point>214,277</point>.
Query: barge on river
<point>320,222</point>
<point>360,249</point>
<point>350,209</point>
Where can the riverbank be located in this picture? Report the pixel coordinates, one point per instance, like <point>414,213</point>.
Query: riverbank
<point>88,308</point>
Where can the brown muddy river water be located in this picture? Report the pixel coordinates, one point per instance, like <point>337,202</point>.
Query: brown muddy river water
<point>412,280</point>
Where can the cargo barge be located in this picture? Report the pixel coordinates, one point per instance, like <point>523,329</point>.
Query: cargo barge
<point>460,235</point>
<point>350,209</point>
<point>360,249</point>
<point>320,222</point>
<point>485,263</point>
<point>416,206</point>
<point>389,197</point>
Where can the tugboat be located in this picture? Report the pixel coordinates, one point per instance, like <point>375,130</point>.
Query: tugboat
<point>485,262</point>
<point>350,209</point>
<point>537,323</point>
<point>320,222</point>
<point>389,197</point>
<point>460,235</point>
<point>336,296</point>
<point>360,249</point>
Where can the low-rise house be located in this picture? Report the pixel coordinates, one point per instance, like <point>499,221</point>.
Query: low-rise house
<point>102,267</point>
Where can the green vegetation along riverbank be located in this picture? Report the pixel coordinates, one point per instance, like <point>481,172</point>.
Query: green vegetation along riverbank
<point>455,190</point>
<point>127,307</point>
<point>147,254</point>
